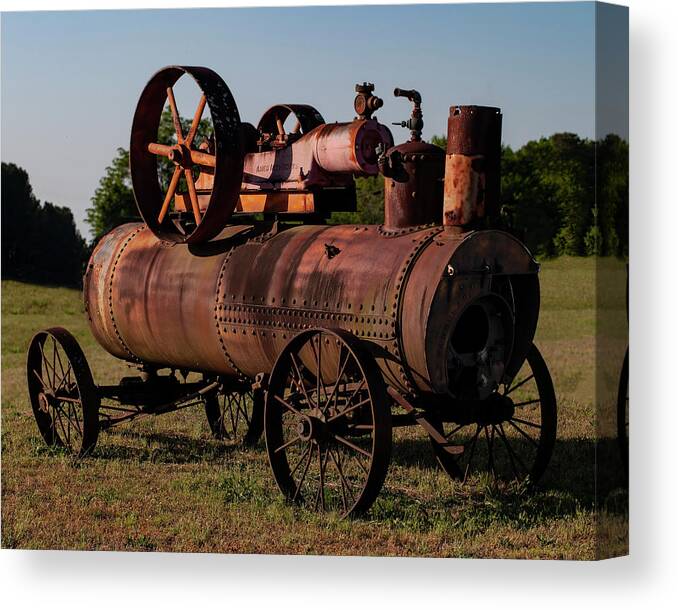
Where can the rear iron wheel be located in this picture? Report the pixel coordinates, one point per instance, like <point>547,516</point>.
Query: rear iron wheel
<point>327,423</point>
<point>236,416</point>
<point>514,436</point>
<point>62,392</point>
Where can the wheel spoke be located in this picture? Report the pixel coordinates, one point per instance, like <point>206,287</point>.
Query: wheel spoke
<point>287,405</point>
<point>74,410</point>
<point>288,443</point>
<point>511,453</point>
<point>322,463</point>
<point>193,195</point>
<point>525,434</point>
<point>309,446</point>
<point>300,383</point>
<point>233,417</point>
<point>47,367</point>
<point>355,392</point>
<point>349,410</point>
<point>527,402</point>
<point>61,367</point>
<point>56,412</point>
<point>171,189</point>
<point>65,379</point>
<point>175,114</point>
<point>474,442</point>
<point>455,430</point>
<point>68,415</point>
<point>319,375</point>
<point>303,476</point>
<point>340,373</point>
<point>523,382</point>
<point>353,446</point>
<point>44,385</point>
<point>489,437</point>
<point>527,423</point>
<point>196,121</point>
<point>345,487</point>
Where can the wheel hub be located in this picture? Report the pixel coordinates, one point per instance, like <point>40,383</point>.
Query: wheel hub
<point>43,401</point>
<point>495,410</point>
<point>313,428</point>
<point>180,154</point>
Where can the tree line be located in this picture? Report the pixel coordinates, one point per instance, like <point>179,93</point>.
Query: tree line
<point>40,242</point>
<point>560,195</point>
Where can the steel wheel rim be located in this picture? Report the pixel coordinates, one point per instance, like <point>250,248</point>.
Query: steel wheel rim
<point>329,454</point>
<point>519,448</point>
<point>62,392</point>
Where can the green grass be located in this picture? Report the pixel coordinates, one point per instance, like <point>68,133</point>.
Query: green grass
<point>163,484</point>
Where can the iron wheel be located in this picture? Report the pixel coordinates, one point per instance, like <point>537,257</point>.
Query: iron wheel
<point>515,447</point>
<point>62,392</point>
<point>236,416</point>
<point>328,440</point>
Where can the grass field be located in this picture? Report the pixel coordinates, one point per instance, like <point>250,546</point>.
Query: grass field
<point>163,484</point>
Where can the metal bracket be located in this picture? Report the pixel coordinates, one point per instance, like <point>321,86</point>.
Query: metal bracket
<point>420,418</point>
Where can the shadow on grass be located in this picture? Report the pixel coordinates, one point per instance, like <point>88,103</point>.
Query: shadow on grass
<point>567,489</point>
<point>572,467</point>
<point>162,448</point>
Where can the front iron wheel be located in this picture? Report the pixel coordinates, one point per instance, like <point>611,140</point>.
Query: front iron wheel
<point>514,438</point>
<point>327,423</point>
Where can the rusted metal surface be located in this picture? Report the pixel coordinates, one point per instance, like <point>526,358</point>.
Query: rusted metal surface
<point>472,167</point>
<point>413,185</point>
<point>464,190</point>
<point>230,307</point>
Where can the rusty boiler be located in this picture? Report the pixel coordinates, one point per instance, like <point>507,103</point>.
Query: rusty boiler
<point>341,331</point>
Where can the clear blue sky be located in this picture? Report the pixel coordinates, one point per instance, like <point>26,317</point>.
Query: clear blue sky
<point>70,80</point>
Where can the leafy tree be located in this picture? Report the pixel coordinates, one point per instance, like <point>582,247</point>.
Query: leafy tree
<point>19,209</point>
<point>370,208</point>
<point>40,243</point>
<point>113,203</point>
<point>440,141</point>
<point>612,195</point>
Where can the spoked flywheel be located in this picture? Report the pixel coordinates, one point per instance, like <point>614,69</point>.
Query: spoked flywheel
<point>511,434</point>
<point>207,210</point>
<point>236,416</point>
<point>328,423</point>
<point>271,128</point>
<point>62,392</point>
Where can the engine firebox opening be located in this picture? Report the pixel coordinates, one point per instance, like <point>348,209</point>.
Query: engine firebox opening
<point>479,348</point>
<point>472,330</point>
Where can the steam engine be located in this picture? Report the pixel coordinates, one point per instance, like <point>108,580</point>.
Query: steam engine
<point>235,274</point>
